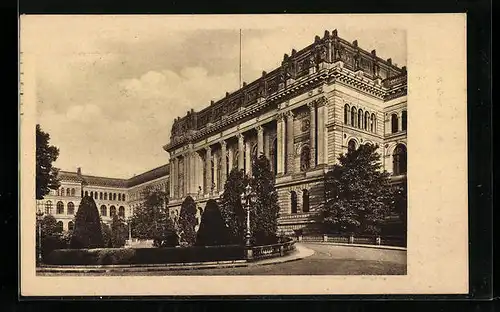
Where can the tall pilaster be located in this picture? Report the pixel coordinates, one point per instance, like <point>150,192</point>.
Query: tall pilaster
<point>248,158</point>
<point>171,176</point>
<point>230,156</point>
<point>241,151</point>
<point>223,163</point>
<point>260,140</point>
<point>289,143</point>
<point>312,133</point>
<point>280,125</point>
<point>400,121</point>
<point>322,131</point>
<point>216,173</point>
<point>208,170</point>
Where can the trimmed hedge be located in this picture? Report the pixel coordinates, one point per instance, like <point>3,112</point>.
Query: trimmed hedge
<point>103,256</point>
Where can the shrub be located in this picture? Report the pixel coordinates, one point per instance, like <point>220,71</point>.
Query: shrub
<point>230,205</point>
<point>144,255</point>
<point>187,221</point>
<point>119,232</point>
<point>87,232</point>
<point>213,230</point>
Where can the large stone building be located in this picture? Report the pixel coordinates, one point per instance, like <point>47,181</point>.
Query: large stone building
<point>112,196</point>
<point>322,100</point>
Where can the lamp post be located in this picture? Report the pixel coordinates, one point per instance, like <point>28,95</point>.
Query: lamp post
<point>247,197</point>
<point>39,218</point>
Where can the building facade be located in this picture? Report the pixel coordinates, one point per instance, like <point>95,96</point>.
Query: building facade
<point>112,196</point>
<point>322,100</point>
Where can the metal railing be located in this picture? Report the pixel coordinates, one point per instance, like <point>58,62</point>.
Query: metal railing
<point>396,241</point>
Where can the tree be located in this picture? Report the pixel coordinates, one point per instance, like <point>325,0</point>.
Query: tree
<point>46,174</point>
<point>151,220</point>
<point>87,232</point>
<point>51,236</point>
<point>187,221</point>
<point>400,208</point>
<point>106,234</point>
<point>213,230</point>
<point>119,232</point>
<point>230,204</point>
<point>358,194</point>
<point>264,210</point>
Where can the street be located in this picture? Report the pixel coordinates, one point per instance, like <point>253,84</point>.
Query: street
<point>327,260</point>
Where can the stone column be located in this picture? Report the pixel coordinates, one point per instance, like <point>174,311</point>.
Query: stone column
<point>281,143</point>
<point>312,133</point>
<point>322,131</point>
<point>223,163</point>
<point>260,140</point>
<point>248,158</point>
<point>289,143</point>
<point>208,169</point>
<point>216,173</point>
<point>241,150</point>
<point>230,158</point>
<point>172,176</point>
<point>400,121</point>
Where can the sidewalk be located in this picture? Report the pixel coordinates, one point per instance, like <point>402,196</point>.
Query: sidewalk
<point>301,252</point>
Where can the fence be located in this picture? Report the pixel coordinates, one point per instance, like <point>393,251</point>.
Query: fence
<point>397,241</point>
<point>275,250</point>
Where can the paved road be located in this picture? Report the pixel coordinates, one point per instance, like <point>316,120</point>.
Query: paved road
<point>327,260</point>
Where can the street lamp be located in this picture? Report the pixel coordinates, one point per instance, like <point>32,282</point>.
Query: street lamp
<point>39,218</point>
<point>247,197</point>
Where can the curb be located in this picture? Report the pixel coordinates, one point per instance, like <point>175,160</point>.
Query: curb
<point>358,245</point>
<point>174,266</point>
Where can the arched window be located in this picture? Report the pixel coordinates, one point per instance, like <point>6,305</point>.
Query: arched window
<point>305,158</point>
<point>62,191</point>
<point>394,123</point>
<point>399,160</point>
<point>346,114</point>
<point>293,200</point>
<point>86,193</point>
<point>121,212</point>
<point>360,118</point>
<point>305,201</point>
<point>92,194</point>
<point>110,196</point>
<point>353,116</point>
<point>60,207</point>
<point>60,226</point>
<point>96,195</point>
<point>68,192</point>
<point>105,196</point>
<point>100,195</point>
<point>48,207</point>
<point>404,120</point>
<point>114,196</point>
<point>373,124</point>
<point>367,120</point>
<point>73,191</point>
<point>112,211</point>
<point>274,156</point>
<point>58,193</point>
<point>123,197</point>
<point>71,226</point>
<point>71,209</point>
<point>351,146</point>
<point>104,211</point>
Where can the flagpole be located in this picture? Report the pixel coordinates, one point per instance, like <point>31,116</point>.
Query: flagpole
<point>240,59</point>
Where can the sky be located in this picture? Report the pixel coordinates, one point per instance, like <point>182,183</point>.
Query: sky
<point>108,88</point>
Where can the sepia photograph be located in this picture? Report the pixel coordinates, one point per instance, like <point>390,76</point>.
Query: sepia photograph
<point>164,147</point>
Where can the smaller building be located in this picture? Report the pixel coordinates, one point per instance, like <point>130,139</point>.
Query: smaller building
<point>112,196</point>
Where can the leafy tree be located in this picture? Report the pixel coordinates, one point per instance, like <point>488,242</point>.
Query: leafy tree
<point>151,220</point>
<point>213,230</point>
<point>49,226</point>
<point>51,236</point>
<point>400,208</point>
<point>119,232</point>
<point>46,174</point>
<point>187,221</point>
<point>264,210</point>
<point>358,194</point>
<point>106,234</point>
<point>230,204</point>
<point>87,232</point>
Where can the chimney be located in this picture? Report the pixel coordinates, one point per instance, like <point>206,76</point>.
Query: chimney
<point>317,38</point>
<point>404,69</point>
<point>285,57</point>
<point>327,34</point>
<point>211,102</point>
<point>244,84</point>
<point>374,52</point>
<point>293,52</point>
<point>389,61</point>
<point>79,171</point>
<point>264,73</point>
<point>355,43</point>
<point>334,33</point>
<point>227,94</point>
